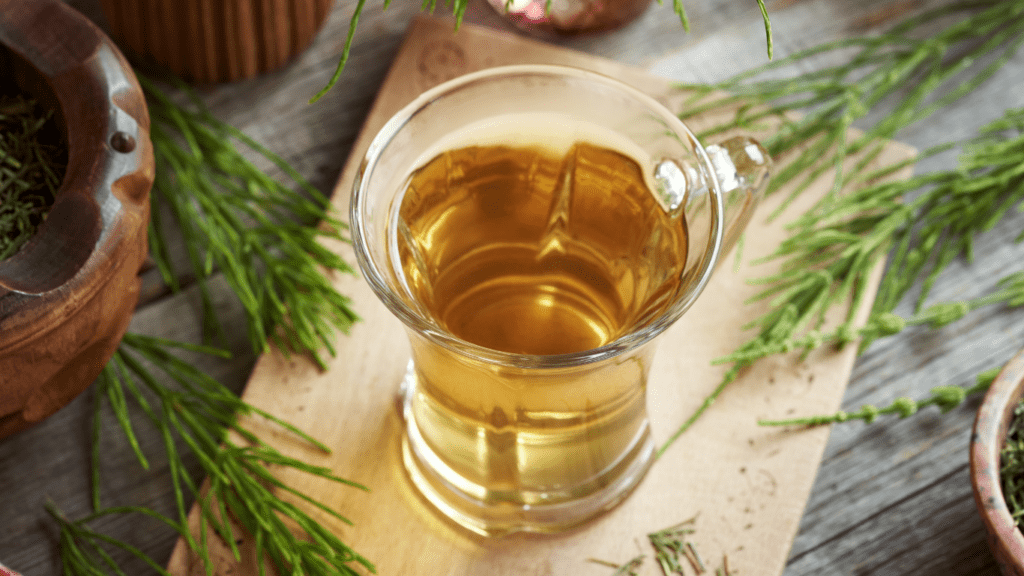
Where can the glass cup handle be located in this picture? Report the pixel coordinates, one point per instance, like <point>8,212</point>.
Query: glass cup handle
<point>743,166</point>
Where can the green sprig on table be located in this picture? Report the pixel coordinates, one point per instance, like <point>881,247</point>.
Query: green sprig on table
<point>945,398</point>
<point>266,239</point>
<point>672,547</point>
<point>188,406</point>
<point>931,219</point>
<point>674,552</point>
<point>906,75</point>
<point>630,568</point>
<point>201,412</point>
<point>263,236</point>
<point>910,72</point>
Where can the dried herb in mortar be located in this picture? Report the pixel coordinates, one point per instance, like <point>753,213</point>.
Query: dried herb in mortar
<point>1011,469</point>
<point>33,155</point>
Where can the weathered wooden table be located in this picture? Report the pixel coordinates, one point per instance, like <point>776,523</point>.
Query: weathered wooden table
<point>892,497</point>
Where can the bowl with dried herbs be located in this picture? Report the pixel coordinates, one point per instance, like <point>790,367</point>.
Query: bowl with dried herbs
<point>76,167</point>
<point>997,466</point>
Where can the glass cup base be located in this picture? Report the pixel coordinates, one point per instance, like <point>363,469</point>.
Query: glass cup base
<point>500,513</point>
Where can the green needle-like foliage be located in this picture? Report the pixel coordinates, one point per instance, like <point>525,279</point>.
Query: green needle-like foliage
<point>266,240</point>
<point>945,398</point>
<point>910,71</point>
<point>84,551</point>
<point>189,408</point>
<point>263,236</point>
<point>674,552</point>
<point>948,210</point>
<point>925,222</point>
<point>628,569</point>
<point>672,548</point>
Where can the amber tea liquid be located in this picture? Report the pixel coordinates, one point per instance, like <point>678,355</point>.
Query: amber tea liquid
<point>533,246</point>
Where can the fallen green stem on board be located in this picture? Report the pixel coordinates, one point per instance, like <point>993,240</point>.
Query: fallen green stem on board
<point>905,75</point>
<point>193,412</point>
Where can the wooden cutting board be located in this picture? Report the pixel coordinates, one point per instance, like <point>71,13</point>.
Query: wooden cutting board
<point>747,485</point>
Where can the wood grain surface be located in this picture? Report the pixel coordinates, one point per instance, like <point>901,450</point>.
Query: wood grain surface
<point>892,497</point>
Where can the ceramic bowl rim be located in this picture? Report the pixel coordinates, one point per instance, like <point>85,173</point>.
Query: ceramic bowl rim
<point>990,426</point>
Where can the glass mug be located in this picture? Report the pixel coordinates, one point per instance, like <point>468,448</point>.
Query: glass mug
<point>535,228</point>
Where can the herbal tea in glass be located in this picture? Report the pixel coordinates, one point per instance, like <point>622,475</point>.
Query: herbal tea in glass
<point>535,228</point>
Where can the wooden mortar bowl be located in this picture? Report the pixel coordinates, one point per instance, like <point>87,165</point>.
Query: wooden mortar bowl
<point>990,426</point>
<point>67,296</point>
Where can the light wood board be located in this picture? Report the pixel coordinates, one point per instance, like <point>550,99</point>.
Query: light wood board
<point>746,484</point>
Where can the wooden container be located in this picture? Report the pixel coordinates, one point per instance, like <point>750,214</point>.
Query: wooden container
<point>67,296</point>
<point>216,40</point>
<point>990,428</point>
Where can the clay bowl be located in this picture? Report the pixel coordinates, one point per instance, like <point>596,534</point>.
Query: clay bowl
<point>67,296</point>
<point>990,426</point>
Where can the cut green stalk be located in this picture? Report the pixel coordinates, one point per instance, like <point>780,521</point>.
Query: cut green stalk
<point>945,398</point>
<point>948,210</point>
<point>628,569</point>
<point>833,248</point>
<point>266,240</point>
<point>199,412</point>
<point>672,547</point>
<point>264,237</point>
<point>675,554</point>
<point>882,68</point>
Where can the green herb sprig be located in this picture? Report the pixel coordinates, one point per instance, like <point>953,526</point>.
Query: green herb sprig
<point>910,71</point>
<point>85,551</point>
<point>195,411</point>
<point>31,169</point>
<point>945,398</point>
<point>674,552</point>
<point>264,237</point>
<point>628,569</point>
<point>1010,293</point>
<point>671,547</point>
<point>948,211</point>
<point>833,248</point>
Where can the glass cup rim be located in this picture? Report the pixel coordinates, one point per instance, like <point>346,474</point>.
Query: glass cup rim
<point>414,320</point>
